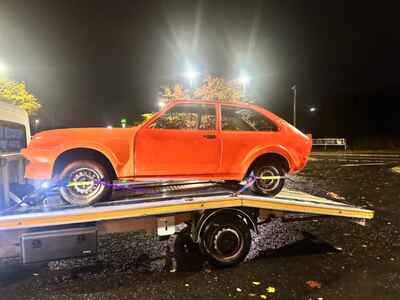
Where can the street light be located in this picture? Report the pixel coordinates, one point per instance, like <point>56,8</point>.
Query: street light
<point>313,109</point>
<point>294,104</point>
<point>244,80</point>
<point>3,68</point>
<point>191,74</point>
<point>124,121</point>
<point>37,122</point>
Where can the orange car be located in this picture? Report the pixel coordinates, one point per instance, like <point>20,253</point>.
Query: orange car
<point>188,139</point>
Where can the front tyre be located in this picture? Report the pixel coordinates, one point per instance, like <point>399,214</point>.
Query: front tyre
<point>84,182</point>
<point>269,174</point>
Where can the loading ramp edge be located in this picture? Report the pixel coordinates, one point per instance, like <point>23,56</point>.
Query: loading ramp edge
<point>304,203</point>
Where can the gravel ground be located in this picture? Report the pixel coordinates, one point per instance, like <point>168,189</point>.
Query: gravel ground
<point>328,259</point>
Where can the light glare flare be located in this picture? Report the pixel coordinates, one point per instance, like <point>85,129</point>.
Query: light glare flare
<point>191,74</point>
<point>45,185</point>
<point>3,68</point>
<point>244,78</point>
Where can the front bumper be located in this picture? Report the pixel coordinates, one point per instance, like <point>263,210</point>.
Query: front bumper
<point>38,171</point>
<point>39,166</point>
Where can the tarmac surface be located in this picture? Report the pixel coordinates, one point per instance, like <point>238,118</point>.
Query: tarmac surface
<point>325,259</point>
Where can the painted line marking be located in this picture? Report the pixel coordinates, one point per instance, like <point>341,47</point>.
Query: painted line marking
<point>396,169</point>
<point>359,165</point>
<point>357,154</point>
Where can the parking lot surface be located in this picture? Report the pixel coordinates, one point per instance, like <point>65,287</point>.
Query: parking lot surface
<point>324,259</point>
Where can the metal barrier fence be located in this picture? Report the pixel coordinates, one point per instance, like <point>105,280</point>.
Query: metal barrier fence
<point>330,142</point>
<point>12,168</point>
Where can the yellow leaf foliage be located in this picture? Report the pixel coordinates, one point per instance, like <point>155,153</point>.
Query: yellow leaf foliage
<point>16,92</point>
<point>147,116</point>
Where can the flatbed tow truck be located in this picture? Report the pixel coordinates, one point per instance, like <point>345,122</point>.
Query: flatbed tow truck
<point>220,217</point>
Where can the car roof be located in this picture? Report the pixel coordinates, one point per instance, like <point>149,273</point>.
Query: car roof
<point>259,108</point>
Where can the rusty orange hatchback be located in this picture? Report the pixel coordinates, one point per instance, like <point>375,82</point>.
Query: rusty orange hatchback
<point>188,139</point>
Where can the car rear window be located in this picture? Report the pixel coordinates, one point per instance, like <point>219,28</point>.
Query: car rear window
<point>244,119</point>
<point>12,137</point>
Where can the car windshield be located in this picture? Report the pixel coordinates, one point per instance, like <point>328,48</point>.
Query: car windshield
<point>187,116</point>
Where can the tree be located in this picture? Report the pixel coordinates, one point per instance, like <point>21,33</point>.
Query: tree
<point>216,88</point>
<point>17,93</point>
<point>175,92</point>
<point>145,117</point>
<point>213,88</point>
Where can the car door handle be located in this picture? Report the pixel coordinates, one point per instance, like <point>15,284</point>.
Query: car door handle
<point>210,136</point>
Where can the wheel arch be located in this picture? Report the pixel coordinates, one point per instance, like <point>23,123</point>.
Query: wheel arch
<point>83,153</point>
<point>250,215</point>
<point>283,158</point>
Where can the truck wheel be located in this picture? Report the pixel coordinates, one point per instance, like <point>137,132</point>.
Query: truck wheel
<point>84,182</point>
<point>226,241</point>
<point>268,187</point>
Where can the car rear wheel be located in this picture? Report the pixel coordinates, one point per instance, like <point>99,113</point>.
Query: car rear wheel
<point>84,182</point>
<point>268,186</point>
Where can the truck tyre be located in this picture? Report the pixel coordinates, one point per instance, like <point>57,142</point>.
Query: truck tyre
<point>225,241</point>
<point>84,182</point>
<point>268,187</point>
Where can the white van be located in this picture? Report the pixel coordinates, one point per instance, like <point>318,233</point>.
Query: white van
<point>15,132</point>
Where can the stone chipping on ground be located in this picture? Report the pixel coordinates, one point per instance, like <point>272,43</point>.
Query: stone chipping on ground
<point>139,252</point>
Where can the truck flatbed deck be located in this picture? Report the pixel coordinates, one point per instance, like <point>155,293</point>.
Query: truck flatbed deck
<point>216,212</point>
<point>286,201</point>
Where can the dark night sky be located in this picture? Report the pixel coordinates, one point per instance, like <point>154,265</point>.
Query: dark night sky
<point>91,62</point>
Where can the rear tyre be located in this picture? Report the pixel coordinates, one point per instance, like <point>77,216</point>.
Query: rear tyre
<point>226,241</point>
<point>85,182</point>
<point>268,187</point>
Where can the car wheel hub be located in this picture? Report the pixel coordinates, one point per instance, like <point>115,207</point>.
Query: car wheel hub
<point>85,182</point>
<point>268,184</point>
<point>227,243</point>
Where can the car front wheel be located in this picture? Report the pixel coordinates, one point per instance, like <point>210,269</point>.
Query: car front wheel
<point>269,178</point>
<point>84,182</point>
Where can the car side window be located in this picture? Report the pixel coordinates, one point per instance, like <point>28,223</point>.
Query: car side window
<point>244,119</point>
<point>187,117</point>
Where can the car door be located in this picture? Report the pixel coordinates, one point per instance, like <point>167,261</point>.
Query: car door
<point>183,141</point>
<point>243,129</point>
